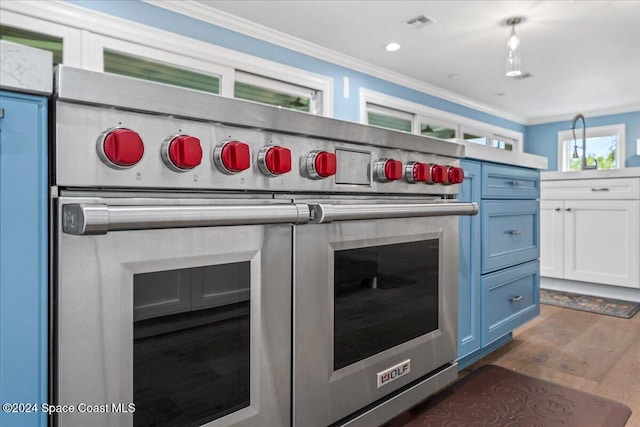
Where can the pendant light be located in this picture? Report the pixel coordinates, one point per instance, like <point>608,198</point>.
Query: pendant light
<point>513,53</point>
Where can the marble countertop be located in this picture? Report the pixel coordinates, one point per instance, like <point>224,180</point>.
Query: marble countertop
<point>25,69</point>
<point>591,174</point>
<point>491,154</point>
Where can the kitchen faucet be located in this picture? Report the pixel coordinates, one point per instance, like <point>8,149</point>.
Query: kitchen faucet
<point>583,163</point>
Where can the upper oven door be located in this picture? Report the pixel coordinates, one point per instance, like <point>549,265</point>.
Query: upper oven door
<point>375,302</point>
<point>175,307</point>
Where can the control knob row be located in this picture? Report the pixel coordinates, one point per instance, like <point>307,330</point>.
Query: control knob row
<point>391,170</point>
<point>123,148</point>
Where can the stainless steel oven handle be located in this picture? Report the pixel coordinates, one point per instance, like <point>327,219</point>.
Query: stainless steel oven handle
<point>324,213</point>
<point>83,219</point>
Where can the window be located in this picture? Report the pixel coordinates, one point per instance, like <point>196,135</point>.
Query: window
<point>476,139</point>
<point>149,53</point>
<point>489,138</point>
<point>252,87</point>
<point>503,142</point>
<point>133,66</point>
<point>604,145</point>
<point>437,128</point>
<point>385,111</point>
<point>389,118</point>
<point>37,40</point>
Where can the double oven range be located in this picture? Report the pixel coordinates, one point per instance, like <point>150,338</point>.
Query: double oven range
<point>224,263</point>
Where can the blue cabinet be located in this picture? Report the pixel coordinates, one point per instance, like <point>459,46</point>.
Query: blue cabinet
<point>23,256</point>
<point>499,278</point>
<point>509,182</point>
<point>511,233</point>
<point>510,298</point>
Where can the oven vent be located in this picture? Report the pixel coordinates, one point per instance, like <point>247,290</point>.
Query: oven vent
<point>419,21</point>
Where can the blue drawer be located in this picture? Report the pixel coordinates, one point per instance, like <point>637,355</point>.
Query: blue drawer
<point>508,182</point>
<point>510,298</point>
<point>510,233</point>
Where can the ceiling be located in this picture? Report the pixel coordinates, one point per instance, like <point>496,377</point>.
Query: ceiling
<point>583,56</point>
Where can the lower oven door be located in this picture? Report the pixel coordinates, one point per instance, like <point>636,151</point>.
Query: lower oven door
<point>173,313</point>
<point>375,306</point>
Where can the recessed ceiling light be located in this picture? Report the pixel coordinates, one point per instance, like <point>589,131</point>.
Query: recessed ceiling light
<point>392,47</point>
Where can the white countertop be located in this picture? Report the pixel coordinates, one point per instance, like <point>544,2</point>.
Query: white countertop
<point>591,174</point>
<point>491,154</point>
<point>25,69</point>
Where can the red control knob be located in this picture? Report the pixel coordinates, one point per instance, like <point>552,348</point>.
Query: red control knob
<point>455,175</point>
<point>325,164</point>
<point>274,160</point>
<point>182,152</point>
<point>439,174</point>
<point>417,172</point>
<point>388,170</point>
<point>120,147</point>
<point>393,170</point>
<point>321,164</point>
<point>232,156</point>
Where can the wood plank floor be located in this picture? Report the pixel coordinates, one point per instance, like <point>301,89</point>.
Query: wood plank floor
<point>594,353</point>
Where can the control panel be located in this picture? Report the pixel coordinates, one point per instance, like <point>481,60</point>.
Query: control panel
<point>116,148</point>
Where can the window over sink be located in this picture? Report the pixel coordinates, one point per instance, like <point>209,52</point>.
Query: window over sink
<point>605,144</point>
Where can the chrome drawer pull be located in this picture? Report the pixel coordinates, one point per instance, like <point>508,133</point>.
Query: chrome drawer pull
<point>514,182</point>
<point>600,189</point>
<point>517,299</point>
<point>515,232</point>
<point>568,209</point>
<point>557,209</point>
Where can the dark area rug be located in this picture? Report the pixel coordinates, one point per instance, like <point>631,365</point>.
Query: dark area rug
<point>495,396</point>
<point>600,305</point>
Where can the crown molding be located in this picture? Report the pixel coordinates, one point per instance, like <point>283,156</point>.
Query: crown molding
<point>630,108</point>
<point>231,22</point>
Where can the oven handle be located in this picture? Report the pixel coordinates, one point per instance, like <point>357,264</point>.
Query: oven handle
<point>324,213</point>
<point>84,218</point>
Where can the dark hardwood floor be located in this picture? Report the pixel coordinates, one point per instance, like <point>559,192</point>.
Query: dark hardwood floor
<point>594,353</point>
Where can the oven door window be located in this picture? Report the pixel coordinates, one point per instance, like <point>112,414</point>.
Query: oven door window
<point>383,296</point>
<point>191,344</point>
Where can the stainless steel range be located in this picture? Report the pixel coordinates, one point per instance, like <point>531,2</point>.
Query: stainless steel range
<point>225,263</point>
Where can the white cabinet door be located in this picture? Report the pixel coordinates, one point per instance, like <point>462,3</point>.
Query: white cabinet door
<point>551,238</point>
<point>601,242</point>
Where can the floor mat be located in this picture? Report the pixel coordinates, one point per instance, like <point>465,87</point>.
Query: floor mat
<point>495,396</point>
<point>600,305</point>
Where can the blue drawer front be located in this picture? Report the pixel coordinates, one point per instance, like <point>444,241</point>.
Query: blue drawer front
<point>510,298</point>
<point>510,233</point>
<point>507,182</point>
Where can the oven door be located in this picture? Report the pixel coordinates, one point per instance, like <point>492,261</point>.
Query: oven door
<point>375,307</point>
<point>174,312</point>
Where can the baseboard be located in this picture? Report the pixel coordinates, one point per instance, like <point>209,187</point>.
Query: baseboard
<point>585,288</point>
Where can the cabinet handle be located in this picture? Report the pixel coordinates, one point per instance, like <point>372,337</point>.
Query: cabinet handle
<point>568,209</point>
<point>600,189</point>
<point>514,182</point>
<point>1,113</point>
<point>557,209</point>
<point>515,232</point>
<point>517,299</point>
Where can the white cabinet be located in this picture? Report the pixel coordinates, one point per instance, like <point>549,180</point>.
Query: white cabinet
<point>552,238</point>
<point>601,242</point>
<point>596,239</point>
